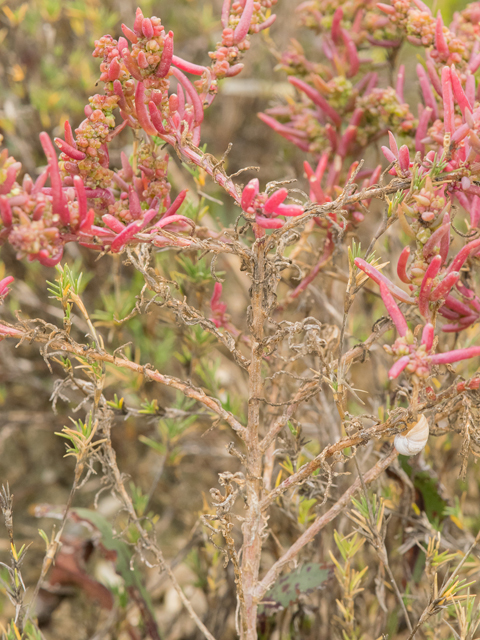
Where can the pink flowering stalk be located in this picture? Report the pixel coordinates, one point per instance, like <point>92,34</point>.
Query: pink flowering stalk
<point>153,91</point>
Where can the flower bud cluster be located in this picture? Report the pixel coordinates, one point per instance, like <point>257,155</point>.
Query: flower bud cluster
<point>87,156</point>
<point>239,19</point>
<point>364,22</point>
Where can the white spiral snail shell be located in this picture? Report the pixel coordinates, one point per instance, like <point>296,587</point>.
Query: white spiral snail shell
<point>412,442</point>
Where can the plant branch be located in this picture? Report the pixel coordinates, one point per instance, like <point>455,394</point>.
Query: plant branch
<point>320,523</point>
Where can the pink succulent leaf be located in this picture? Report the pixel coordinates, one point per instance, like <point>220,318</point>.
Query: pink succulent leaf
<point>4,284</point>
<point>122,44</point>
<point>428,335</point>
<point>445,286</point>
<point>114,70</point>
<point>288,132</point>
<point>275,200</point>
<point>458,91</point>
<point>378,277</point>
<point>433,242</point>
<point>69,139</point>
<point>393,144</point>
<point>454,356</point>
<point>81,199</point>
<point>461,133</point>
<point>175,219</point>
<point>167,57</point>
<point>448,106</point>
<point>59,205</point>
<point>86,224</point>
<point>49,261</point>
<point>225,13</point>
<point>142,112</point>
<point>352,54</point>
<point>235,69</point>
<point>176,204</point>
<point>398,367</point>
<point>134,207</point>
<point>249,194</point>
<point>10,178</point>
<point>426,286</point>
<point>192,94</point>
<point>101,232</point>
<point>317,99</point>
<point>118,90</point>
<point>113,223</point>
<point>181,100</point>
<point>148,217</point>
<point>217,307</point>
<point>463,254</point>
<point>289,210</point>
<point>41,181</point>
<point>322,165</point>
<point>422,6</point>
<point>131,65</point>
<point>268,223</point>
<point>422,129</point>
<point>336,30</point>
<point>474,63</point>
<point>473,300</point>
<point>128,33</point>
<point>386,8</point>
<point>346,140</point>
<point>459,307</point>
<point>402,265</point>
<point>188,67</point>
<point>137,25</point>
<point>445,240</point>
<point>147,28</point>
<point>156,119</point>
<point>125,235</point>
<point>440,42</point>
<point>404,158</point>
<point>426,89</point>
<point>389,155</point>
<point>453,327</point>
<point>5,211</point>
<point>9,332</point>
<point>243,26</point>
<point>393,310</point>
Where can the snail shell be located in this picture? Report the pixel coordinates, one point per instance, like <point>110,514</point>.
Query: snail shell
<point>412,442</point>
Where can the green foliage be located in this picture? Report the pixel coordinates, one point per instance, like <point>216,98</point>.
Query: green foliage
<point>116,403</point>
<point>80,439</point>
<point>68,280</point>
<point>428,487</point>
<point>170,431</point>
<point>289,589</point>
<point>30,632</point>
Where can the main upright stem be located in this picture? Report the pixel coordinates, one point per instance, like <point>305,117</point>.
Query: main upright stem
<point>253,524</point>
